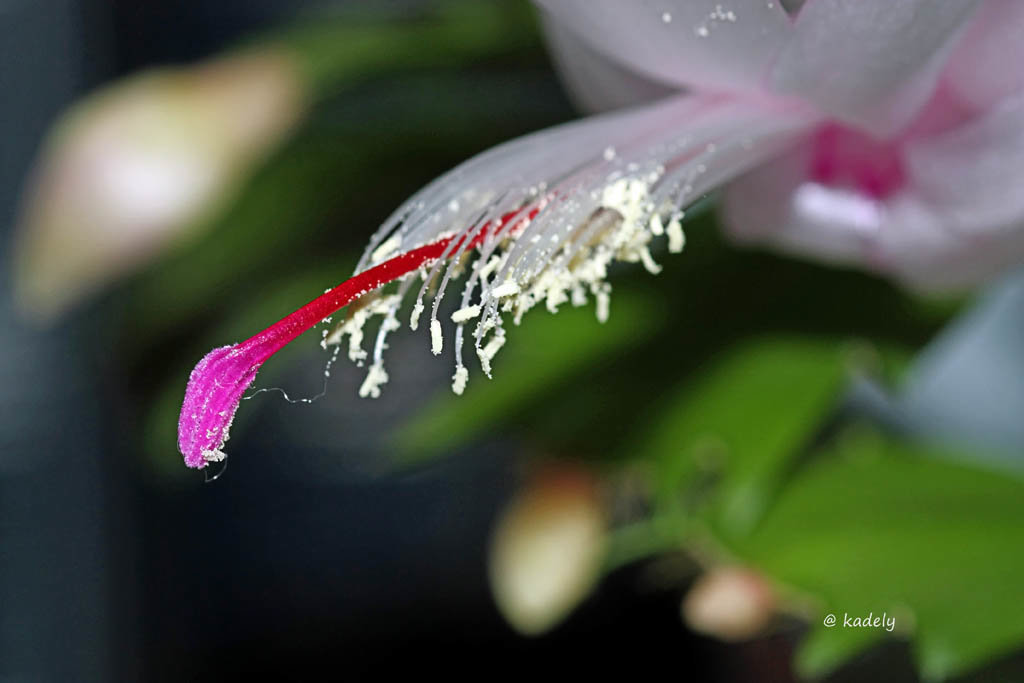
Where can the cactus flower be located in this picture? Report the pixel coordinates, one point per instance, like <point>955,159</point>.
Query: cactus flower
<point>888,134</point>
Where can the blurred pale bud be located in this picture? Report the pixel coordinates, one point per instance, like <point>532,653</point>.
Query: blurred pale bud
<point>547,549</point>
<point>730,603</point>
<point>136,166</point>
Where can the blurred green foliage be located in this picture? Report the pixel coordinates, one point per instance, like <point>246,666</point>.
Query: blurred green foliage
<point>368,42</point>
<point>873,525</point>
<point>746,416</point>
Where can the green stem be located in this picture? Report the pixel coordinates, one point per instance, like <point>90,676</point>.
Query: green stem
<point>644,539</point>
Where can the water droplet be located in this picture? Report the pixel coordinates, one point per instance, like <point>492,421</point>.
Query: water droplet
<point>453,205</point>
<point>666,17</point>
<point>609,153</point>
<point>701,31</point>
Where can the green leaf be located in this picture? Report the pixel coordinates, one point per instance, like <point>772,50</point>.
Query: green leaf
<point>365,42</point>
<point>874,526</point>
<point>542,354</point>
<point>746,417</point>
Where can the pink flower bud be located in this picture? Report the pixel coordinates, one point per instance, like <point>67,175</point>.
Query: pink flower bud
<point>547,549</point>
<point>730,603</point>
<point>135,167</point>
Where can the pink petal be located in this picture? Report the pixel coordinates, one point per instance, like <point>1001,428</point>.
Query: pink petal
<point>760,207</point>
<point>596,82</point>
<point>986,64</point>
<point>728,45</point>
<point>870,63</point>
<point>957,221</point>
<point>972,174</point>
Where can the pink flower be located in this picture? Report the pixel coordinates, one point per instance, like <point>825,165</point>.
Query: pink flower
<point>887,133</point>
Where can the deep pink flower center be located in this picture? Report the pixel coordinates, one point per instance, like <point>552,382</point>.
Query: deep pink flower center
<point>844,157</point>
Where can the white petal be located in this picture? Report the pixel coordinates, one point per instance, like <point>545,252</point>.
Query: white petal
<point>985,66</point>
<point>973,173</point>
<point>595,81</point>
<point>723,45</point>
<point>870,63</point>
